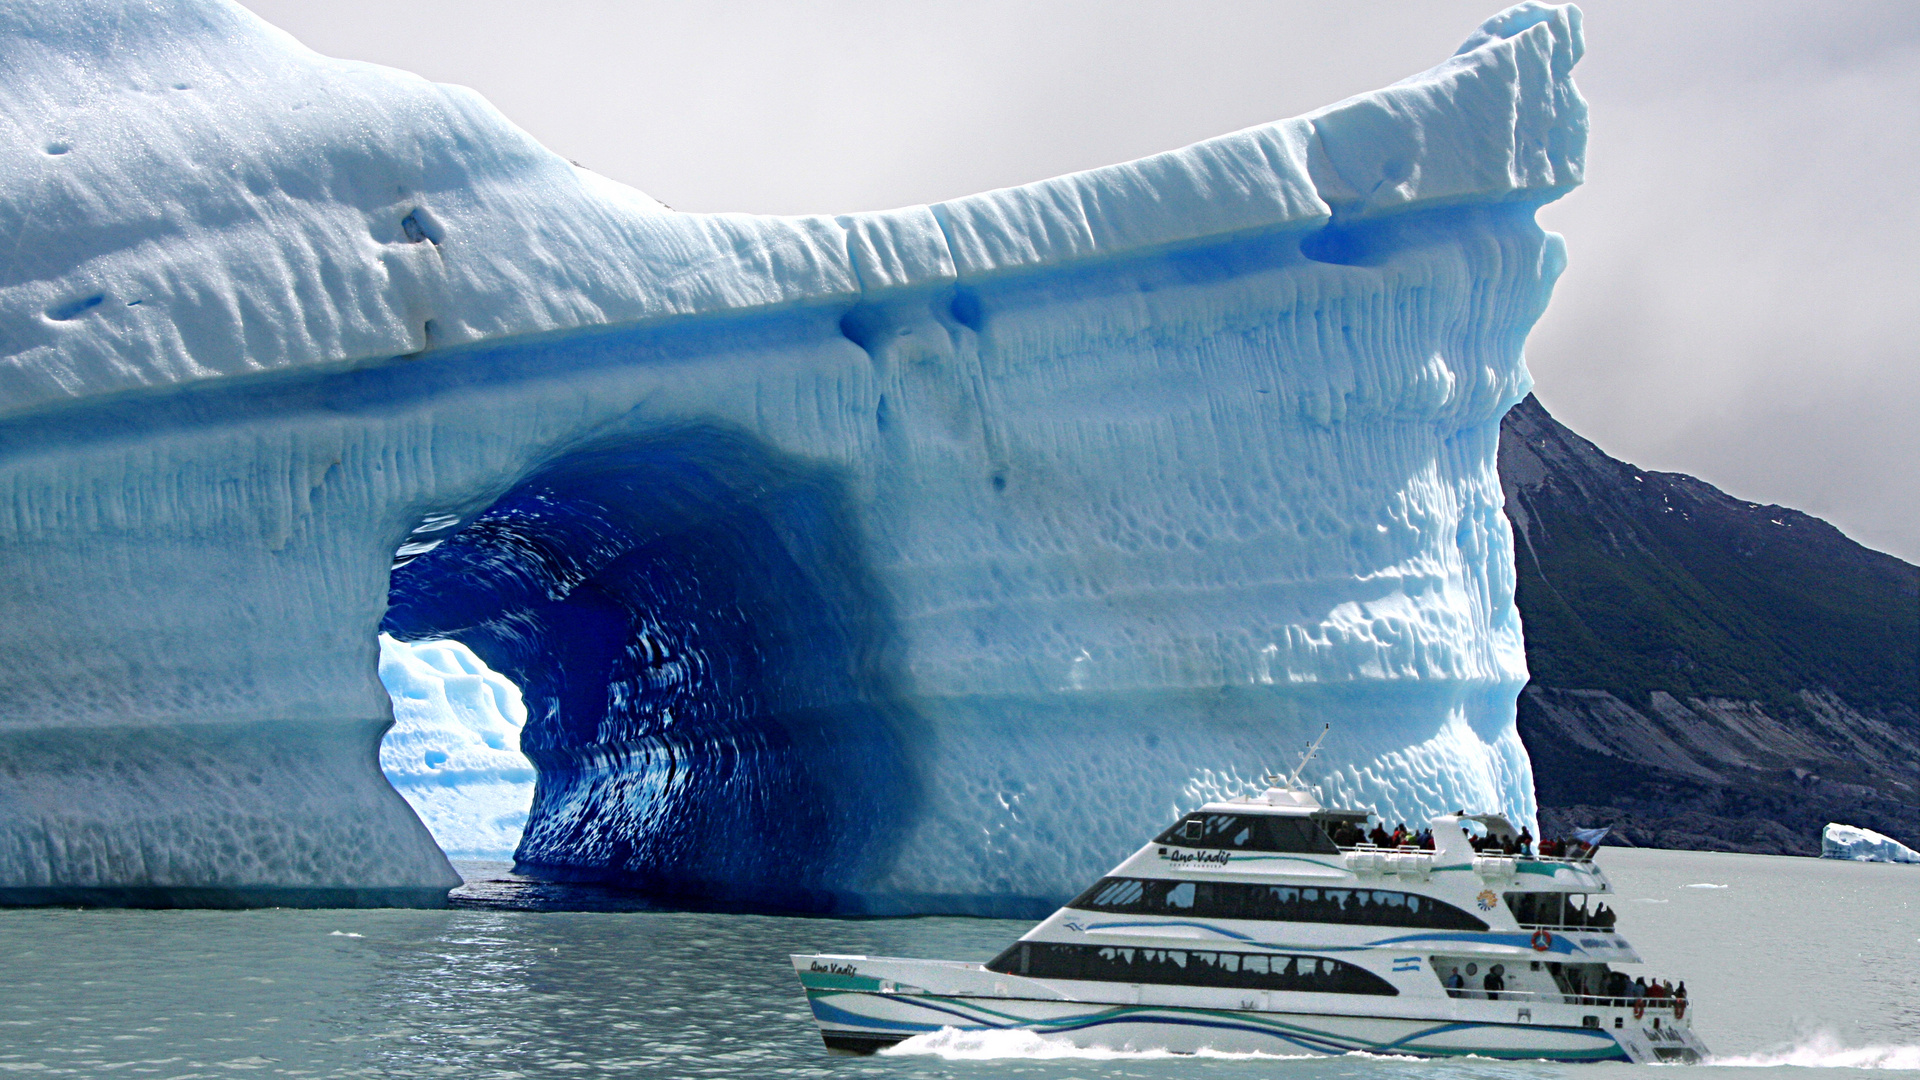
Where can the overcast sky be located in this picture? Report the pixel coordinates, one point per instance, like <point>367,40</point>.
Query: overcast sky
<point>1743,300</point>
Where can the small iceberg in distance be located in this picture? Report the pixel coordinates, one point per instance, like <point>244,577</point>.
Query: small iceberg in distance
<point>454,750</point>
<point>1839,841</point>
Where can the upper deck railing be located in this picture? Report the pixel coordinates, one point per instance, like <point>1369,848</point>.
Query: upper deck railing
<point>1675,1005</point>
<point>1412,849</point>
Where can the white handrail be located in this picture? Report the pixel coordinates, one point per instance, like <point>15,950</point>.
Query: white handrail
<point>1569,999</point>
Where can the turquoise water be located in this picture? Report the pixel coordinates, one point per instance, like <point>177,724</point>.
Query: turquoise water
<point>1791,963</point>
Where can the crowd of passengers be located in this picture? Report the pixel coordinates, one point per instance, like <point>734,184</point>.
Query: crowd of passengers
<point>1349,835</point>
<point>1618,988</point>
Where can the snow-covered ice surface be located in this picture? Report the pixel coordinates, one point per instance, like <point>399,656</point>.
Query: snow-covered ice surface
<point>1839,841</point>
<point>454,750</point>
<point>908,561</point>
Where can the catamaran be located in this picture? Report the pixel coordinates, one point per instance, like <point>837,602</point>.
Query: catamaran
<point>1246,927</point>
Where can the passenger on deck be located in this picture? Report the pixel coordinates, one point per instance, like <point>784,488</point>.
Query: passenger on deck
<point>1380,837</point>
<point>1348,834</point>
<point>1508,846</point>
<point>1550,849</point>
<point>1455,982</point>
<point>1400,834</point>
<point>1526,842</point>
<point>1494,983</point>
<point>1426,839</point>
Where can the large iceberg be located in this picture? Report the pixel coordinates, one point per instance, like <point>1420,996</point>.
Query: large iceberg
<point>909,561</point>
<point>1852,842</point>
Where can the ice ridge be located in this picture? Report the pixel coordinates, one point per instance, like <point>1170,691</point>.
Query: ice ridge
<point>912,561</point>
<point>354,212</point>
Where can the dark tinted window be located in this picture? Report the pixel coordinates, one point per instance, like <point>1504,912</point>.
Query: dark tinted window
<point>1188,967</point>
<point>1279,903</point>
<point>1250,832</point>
<point>1559,909</point>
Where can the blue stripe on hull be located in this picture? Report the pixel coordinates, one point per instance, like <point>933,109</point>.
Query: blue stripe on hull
<point>947,1011</point>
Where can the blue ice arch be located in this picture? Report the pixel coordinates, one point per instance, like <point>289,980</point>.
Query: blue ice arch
<point>912,561</point>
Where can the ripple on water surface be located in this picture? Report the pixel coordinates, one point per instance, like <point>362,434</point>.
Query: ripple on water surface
<point>1794,963</point>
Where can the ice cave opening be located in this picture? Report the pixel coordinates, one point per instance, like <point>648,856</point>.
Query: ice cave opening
<point>702,660</point>
<point>454,749</point>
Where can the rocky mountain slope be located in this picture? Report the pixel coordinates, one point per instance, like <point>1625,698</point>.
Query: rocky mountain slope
<point>1707,673</point>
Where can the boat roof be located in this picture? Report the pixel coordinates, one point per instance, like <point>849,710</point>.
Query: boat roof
<point>1284,802</point>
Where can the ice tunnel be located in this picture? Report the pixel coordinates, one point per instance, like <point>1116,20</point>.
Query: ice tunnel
<point>917,561</point>
<point>706,655</point>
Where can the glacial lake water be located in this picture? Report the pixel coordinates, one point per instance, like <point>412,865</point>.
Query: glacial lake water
<point>1792,964</point>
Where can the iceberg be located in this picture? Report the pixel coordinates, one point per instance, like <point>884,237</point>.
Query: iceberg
<point>1839,841</point>
<point>454,749</point>
<point>911,561</point>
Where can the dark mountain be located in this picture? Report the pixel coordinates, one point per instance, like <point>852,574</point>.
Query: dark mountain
<point>1707,673</point>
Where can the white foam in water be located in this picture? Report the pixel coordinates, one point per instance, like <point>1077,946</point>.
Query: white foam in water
<point>956,1045</point>
<point>1825,1051</point>
<point>1703,885</point>
<point>454,750</point>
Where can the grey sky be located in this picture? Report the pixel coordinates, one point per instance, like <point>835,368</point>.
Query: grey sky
<point>1743,301</point>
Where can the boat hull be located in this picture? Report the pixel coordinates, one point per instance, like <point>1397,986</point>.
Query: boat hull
<point>861,1012</point>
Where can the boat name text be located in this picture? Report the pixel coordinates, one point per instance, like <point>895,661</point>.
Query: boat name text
<point>1218,858</point>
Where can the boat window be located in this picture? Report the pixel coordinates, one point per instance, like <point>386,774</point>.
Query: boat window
<point>1576,911</point>
<point>1275,903</point>
<point>1188,967</point>
<point>1250,832</point>
<point>1117,892</point>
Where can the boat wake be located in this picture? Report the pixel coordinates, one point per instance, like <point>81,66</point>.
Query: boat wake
<point>956,1045</point>
<point>1825,1051</point>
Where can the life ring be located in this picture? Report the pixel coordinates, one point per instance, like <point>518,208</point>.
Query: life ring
<point>1679,1008</point>
<point>1542,941</point>
<point>1639,1008</point>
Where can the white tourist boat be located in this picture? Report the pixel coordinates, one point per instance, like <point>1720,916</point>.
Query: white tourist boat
<point>1245,927</point>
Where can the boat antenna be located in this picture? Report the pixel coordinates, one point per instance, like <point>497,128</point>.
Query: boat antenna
<point>1293,779</point>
